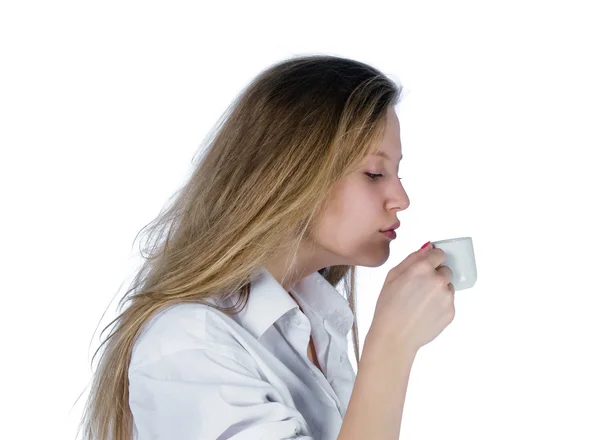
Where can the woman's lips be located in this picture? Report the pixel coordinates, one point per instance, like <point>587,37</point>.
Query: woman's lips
<point>391,234</point>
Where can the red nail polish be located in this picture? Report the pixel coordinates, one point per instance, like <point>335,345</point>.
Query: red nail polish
<point>425,245</point>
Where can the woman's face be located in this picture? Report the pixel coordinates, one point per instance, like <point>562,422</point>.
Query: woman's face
<point>364,203</point>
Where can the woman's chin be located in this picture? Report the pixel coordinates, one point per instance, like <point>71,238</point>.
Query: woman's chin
<point>376,259</point>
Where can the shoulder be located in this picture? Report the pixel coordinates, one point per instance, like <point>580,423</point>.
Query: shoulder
<point>184,327</point>
<point>190,378</point>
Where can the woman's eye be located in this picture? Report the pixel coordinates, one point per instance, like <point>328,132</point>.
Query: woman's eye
<point>376,176</point>
<point>373,176</point>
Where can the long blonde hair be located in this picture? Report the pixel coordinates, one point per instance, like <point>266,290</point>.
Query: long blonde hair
<point>264,176</point>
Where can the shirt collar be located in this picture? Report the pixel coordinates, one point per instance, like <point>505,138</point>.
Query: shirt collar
<point>268,301</point>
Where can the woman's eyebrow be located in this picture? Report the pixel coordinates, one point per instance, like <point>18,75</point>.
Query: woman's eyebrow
<point>384,154</point>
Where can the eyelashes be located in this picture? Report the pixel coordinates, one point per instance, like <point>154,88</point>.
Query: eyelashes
<point>376,176</point>
<point>373,176</point>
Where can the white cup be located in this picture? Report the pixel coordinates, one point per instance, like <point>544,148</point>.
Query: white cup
<point>460,258</point>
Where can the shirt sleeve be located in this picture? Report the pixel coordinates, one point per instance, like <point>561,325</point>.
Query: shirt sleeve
<point>206,394</point>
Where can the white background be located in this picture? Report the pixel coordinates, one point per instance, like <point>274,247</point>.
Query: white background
<point>104,104</point>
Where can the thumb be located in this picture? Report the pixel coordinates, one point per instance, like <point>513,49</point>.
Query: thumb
<point>410,259</point>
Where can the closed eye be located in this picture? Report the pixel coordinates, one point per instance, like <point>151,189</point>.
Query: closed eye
<point>376,176</point>
<point>373,176</point>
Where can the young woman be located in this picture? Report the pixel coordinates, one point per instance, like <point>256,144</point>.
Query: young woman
<point>234,328</point>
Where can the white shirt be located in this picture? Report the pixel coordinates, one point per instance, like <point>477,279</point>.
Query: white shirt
<point>199,374</point>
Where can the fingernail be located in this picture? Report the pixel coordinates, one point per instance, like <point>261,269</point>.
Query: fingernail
<point>425,245</point>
